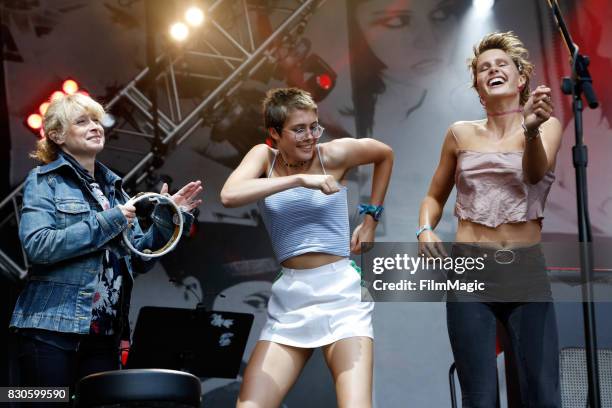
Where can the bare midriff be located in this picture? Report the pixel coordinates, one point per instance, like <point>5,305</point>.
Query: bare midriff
<point>310,260</point>
<point>504,235</point>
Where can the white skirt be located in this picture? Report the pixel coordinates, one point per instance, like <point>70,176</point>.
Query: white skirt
<point>314,307</point>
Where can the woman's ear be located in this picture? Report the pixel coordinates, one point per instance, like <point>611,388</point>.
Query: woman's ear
<point>522,82</point>
<point>56,137</point>
<point>274,134</point>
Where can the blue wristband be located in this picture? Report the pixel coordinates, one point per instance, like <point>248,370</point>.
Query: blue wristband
<point>425,227</point>
<point>374,210</point>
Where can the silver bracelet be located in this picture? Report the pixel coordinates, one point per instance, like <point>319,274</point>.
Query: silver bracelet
<point>529,137</point>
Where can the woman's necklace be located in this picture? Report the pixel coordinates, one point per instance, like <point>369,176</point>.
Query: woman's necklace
<point>518,110</point>
<point>293,165</point>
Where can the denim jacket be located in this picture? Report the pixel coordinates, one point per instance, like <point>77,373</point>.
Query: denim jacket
<point>65,234</point>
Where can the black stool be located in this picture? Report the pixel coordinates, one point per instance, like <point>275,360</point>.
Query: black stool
<point>139,387</point>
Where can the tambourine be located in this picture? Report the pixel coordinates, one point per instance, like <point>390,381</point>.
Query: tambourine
<point>177,220</point>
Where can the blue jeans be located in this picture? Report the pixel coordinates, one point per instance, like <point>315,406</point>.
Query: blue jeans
<point>532,328</point>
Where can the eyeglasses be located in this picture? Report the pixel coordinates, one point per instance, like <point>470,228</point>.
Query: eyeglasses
<point>301,134</point>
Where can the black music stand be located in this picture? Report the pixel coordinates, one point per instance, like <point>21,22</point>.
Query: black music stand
<point>203,343</point>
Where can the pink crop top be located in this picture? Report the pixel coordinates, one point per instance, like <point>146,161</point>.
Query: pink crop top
<point>491,190</point>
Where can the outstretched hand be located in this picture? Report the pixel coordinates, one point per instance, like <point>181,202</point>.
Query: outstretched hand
<point>187,197</point>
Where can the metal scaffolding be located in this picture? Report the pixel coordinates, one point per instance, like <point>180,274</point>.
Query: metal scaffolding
<point>240,39</point>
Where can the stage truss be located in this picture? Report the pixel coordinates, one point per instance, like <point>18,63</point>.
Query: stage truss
<point>241,39</point>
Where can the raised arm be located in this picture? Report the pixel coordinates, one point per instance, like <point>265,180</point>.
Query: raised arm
<point>347,153</point>
<point>244,185</point>
<point>543,135</point>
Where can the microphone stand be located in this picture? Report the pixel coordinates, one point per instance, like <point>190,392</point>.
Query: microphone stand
<point>581,83</point>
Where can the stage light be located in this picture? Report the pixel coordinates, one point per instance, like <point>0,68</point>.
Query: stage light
<point>43,108</point>
<point>70,87</point>
<point>482,7</point>
<point>320,77</point>
<point>232,123</point>
<point>194,16</point>
<point>34,121</point>
<point>179,32</point>
<point>325,81</point>
<point>108,121</point>
<point>55,95</point>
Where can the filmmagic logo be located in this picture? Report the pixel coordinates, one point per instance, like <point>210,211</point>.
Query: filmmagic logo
<point>429,285</point>
<point>411,264</point>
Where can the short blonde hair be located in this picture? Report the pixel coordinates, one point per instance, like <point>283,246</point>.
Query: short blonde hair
<point>60,114</point>
<point>281,101</point>
<point>509,43</point>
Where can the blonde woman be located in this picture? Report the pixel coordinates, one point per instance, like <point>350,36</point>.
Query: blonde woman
<point>503,168</point>
<point>72,313</point>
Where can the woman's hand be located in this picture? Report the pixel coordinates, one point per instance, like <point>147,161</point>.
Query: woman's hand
<point>364,233</point>
<point>324,182</point>
<point>538,108</point>
<point>128,211</point>
<point>430,245</point>
<point>186,197</point>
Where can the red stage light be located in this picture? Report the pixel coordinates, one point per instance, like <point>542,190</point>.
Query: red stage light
<point>70,86</point>
<point>325,81</point>
<point>43,108</point>
<point>55,95</point>
<point>34,121</point>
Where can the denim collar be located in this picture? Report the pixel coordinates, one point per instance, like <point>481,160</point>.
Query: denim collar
<point>106,174</point>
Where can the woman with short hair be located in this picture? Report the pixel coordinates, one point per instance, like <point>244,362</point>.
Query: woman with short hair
<point>299,185</point>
